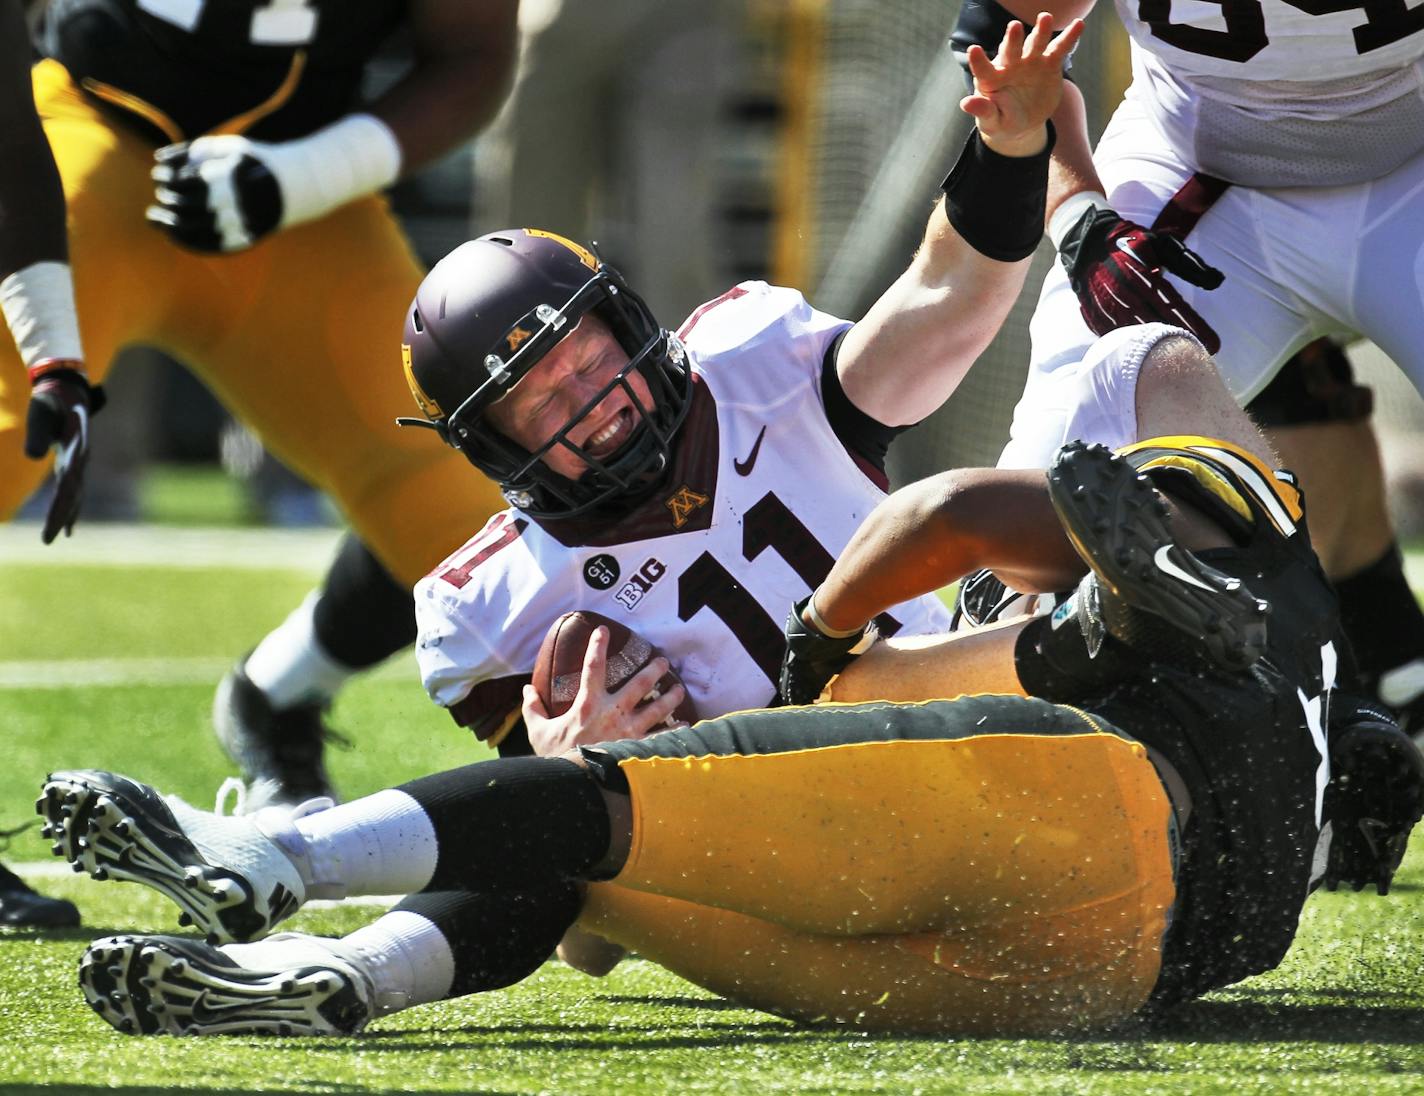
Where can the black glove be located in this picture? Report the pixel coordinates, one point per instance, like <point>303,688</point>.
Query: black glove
<point>214,194</point>
<point>61,404</point>
<point>1115,267</point>
<point>812,659</point>
<point>1375,794</point>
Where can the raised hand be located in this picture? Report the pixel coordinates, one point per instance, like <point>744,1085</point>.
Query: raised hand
<point>1016,92</point>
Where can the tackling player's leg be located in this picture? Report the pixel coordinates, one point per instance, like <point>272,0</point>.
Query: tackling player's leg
<point>520,830</point>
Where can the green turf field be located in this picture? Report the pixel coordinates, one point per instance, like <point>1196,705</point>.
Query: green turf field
<point>109,650</point>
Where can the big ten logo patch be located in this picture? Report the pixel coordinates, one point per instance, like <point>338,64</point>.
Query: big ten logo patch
<point>642,582</point>
<point>601,571</point>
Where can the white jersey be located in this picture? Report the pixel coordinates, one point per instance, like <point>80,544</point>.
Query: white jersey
<point>762,496</point>
<point>1319,234</point>
<point>1274,39</point>
<point>1262,93</point>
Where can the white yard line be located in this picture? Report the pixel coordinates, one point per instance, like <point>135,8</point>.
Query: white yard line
<point>97,544</point>
<point>68,673</point>
<point>98,672</point>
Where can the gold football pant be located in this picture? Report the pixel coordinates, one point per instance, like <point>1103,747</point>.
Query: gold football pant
<point>991,865</point>
<point>299,336</point>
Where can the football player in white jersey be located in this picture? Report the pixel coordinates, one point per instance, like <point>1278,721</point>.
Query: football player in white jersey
<point>693,484</point>
<point>1286,149</point>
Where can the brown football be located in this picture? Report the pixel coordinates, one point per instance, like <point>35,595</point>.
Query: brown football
<point>559,665</point>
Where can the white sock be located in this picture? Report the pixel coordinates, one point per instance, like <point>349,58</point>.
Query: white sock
<point>379,844</point>
<point>289,665</point>
<point>404,957</point>
<point>407,958</point>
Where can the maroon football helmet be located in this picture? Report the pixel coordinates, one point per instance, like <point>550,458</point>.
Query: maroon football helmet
<point>487,314</point>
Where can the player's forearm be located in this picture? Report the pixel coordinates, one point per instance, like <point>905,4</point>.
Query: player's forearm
<point>938,530</point>
<point>31,200</point>
<point>465,55</point>
<point>442,105</point>
<point>914,346</point>
<point>1071,169</point>
<point>903,549</point>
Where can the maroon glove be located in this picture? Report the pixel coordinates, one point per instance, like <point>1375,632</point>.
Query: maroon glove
<point>1115,267</point>
<point>61,404</point>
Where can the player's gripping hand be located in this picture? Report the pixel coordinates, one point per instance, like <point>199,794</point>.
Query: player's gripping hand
<point>598,715</point>
<point>62,401</point>
<point>215,193</point>
<point>1115,267</point>
<point>812,658</point>
<point>1374,798</point>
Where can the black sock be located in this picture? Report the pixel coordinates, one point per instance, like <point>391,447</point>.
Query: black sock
<point>1381,617</point>
<point>499,938</point>
<point>363,615</point>
<point>519,823</point>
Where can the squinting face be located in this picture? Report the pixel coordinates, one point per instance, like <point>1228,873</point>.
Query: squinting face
<point>556,389</point>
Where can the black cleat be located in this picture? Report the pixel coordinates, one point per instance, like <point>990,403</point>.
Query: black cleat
<point>228,877</point>
<point>22,907</point>
<point>279,752</point>
<point>171,985</point>
<point>1118,522</point>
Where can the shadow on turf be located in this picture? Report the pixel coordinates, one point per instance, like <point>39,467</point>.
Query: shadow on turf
<point>1358,1018</point>
<point>1263,1019</point>
<point>1375,1017</point>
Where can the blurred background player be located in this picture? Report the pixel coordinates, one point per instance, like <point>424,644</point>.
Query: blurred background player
<point>37,298</point>
<point>1273,145</point>
<point>219,156</point>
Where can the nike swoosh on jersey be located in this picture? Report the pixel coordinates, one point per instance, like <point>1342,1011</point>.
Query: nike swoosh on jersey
<point>1166,564</point>
<point>744,468</point>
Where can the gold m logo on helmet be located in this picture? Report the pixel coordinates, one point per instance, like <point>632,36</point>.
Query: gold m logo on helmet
<point>428,407</point>
<point>516,338</point>
<point>585,255</point>
<point>683,503</point>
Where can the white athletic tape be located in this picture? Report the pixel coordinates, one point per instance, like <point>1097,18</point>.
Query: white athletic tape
<point>38,303</point>
<point>351,158</point>
<point>1068,212</point>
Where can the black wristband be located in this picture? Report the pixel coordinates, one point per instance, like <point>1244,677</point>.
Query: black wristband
<point>998,203</point>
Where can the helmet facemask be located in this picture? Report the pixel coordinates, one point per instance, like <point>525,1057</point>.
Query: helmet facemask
<point>621,478</point>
